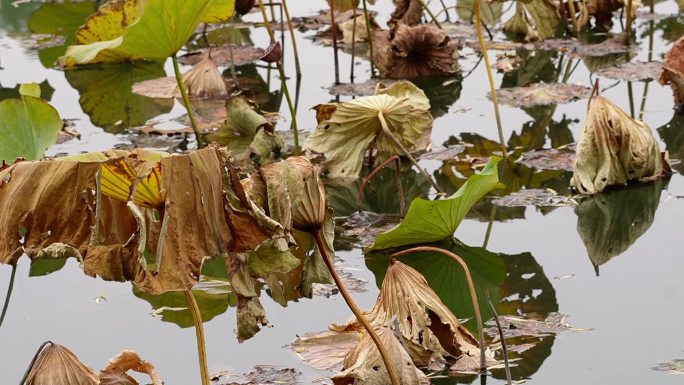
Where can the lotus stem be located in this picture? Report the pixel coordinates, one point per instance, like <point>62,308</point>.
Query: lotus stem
<point>628,27</point>
<point>573,17</point>
<point>394,380</point>
<point>334,40</point>
<point>186,101</point>
<point>353,47</point>
<point>471,287</point>
<point>298,68</point>
<point>199,335</point>
<point>444,9</point>
<point>400,187</point>
<point>432,15</point>
<point>370,37</point>
<point>283,79</point>
<point>9,294</point>
<point>406,152</point>
<point>501,337</point>
<point>370,176</point>
<point>650,58</point>
<point>630,94</point>
<point>490,76</point>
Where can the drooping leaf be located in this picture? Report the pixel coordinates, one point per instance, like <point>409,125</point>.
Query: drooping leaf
<point>127,30</point>
<point>29,125</point>
<point>613,149</point>
<point>107,98</point>
<point>429,221</point>
<point>346,130</point>
<point>364,366</point>
<point>673,70</point>
<point>533,20</point>
<point>116,371</point>
<point>325,350</point>
<point>204,80</point>
<point>57,365</point>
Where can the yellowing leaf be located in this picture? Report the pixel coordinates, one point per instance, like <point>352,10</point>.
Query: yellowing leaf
<point>346,130</point>
<point>613,149</point>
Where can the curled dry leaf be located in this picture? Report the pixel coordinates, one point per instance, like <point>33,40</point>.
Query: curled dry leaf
<point>540,94</point>
<point>115,372</point>
<point>356,30</point>
<point>364,366</point>
<point>325,350</point>
<point>407,12</point>
<point>187,210</point>
<point>673,70</point>
<point>56,365</point>
<point>204,80</point>
<point>414,52</point>
<point>431,332</point>
<point>534,20</point>
<point>346,130</point>
<point>602,11</point>
<point>613,149</point>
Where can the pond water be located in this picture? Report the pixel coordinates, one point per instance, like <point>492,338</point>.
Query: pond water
<point>613,264</point>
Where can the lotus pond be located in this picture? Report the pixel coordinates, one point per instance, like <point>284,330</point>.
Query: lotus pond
<point>588,288</point>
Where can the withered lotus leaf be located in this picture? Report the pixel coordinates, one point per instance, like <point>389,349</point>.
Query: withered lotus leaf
<point>408,12</point>
<point>204,80</point>
<point>346,130</point>
<point>154,224</point>
<point>431,332</point>
<point>673,70</point>
<point>534,20</point>
<point>116,371</point>
<point>613,149</point>
<point>363,365</point>
<point>602,10</point>
<point>414,52</point>
<point>57,365</point>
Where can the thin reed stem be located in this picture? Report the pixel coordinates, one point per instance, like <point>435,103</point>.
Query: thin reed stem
<point>370,37</point>
<point>298,69</point>
<point>334,41</point>
<point>509,380</point>
<point>432,15</point>
<point>186,101</point>
<point>9,294</point>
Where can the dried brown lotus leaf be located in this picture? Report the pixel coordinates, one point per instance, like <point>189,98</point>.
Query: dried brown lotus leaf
<point>415,52</point>
<point>613,149</point>
<point>534,20</point>
<point>407,12</point>
<point>115,372</point>
<point>204,80</point>
<point>325,350</point>
<point>57,365</point>
<point>431,332</point>
<point>364,366</point>
<point>602,10</point>
<point>673,70</point>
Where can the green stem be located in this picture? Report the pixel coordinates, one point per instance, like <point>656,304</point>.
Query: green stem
<point>186,101</point>
<point>199,335</point>
<point>432,15</point>
<point>298,69</point>
<point>406,152</point>
<point>283,79</point>
<point>471,288</point>
<point>9,293</point>
<point>355,309</point>
<point>370,37</point>
<point>490,76</point>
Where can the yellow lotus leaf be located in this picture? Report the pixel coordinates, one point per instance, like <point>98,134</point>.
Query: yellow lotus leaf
<point>431,332</point>
<point>346,130</point>
<point>363,365</point>
<point>613,149</point>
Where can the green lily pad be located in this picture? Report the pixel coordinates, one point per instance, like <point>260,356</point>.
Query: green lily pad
<point>107,98</point>
<point>430,221</point>
<point>45,266</point>
<point>29,125</point>
<point>132,30</point>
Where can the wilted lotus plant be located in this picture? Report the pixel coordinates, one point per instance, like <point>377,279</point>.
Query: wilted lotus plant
<point>673,71</point>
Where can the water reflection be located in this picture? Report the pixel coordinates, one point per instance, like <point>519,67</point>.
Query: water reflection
<point>672,134</point>
<point>609,223</point>
<point>107,97</point>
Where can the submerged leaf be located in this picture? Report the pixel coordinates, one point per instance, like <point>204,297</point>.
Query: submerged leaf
<point>429,221</point>
<point>57,365</point>
<point>613,149</point>
<point>346,130</point>
<point>29,125</point>
<point>364,366</point>
<point>415,52</point>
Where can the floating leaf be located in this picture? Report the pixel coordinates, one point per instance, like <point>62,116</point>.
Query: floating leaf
<point>517,326</point>
<point>548,159</point>
<point>29,125</point>
<point>633,71</point>
<point>223,56</point>
<point>539,94</point>
<point>121,31</point>
<point>675,366</point>
<point>613,149</point>
<point>346,130</point>
<point>429,221</point>
<point>534,197</point>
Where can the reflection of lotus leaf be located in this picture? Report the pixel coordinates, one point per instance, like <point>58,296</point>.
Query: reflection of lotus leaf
<point>672,134</point>
<point>107,98</point>
<point>611,222</point>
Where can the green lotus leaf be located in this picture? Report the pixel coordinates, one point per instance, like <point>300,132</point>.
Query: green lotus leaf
<point>128,30</point>
<point>346,130</point>
<point>430,221</point>
<point>29,125</point>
